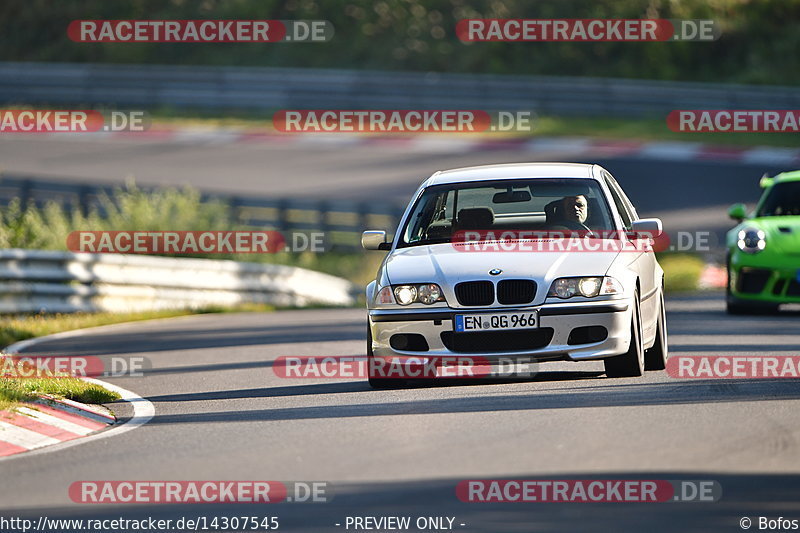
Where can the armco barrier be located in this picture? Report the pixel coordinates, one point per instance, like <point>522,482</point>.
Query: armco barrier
<point>269,89</point>
<point>64,282</point>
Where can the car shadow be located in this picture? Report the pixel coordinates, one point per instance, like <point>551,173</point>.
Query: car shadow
<point>387,403</point>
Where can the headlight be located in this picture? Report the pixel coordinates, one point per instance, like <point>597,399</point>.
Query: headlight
<point>426,293</point>
<point>588,287</point>
<point>751,240</point>
<point>405,294</point>
<point>429,294</point>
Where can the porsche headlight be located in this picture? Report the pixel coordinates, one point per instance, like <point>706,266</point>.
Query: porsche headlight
<point>425,293</point>
<point>751,240</point>
<point>588,287</point>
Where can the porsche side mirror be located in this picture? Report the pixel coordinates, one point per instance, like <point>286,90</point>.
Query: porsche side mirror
<point>737,212</point>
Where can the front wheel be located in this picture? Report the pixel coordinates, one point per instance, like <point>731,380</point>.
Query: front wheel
<point>656,357</point>
<point>631,363</point>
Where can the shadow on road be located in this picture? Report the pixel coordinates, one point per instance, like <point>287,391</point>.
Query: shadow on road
<point>314,389</point>
<point>662,393</point>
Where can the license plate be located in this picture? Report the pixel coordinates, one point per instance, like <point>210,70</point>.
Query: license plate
<point>496,321</point>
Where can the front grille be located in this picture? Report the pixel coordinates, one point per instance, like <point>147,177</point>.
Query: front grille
<point>474,293</point>
<point>779,287</point>
<point>516,291</point>
<point>794,288</point>
<point>752,281</point>
<point>497,341</point>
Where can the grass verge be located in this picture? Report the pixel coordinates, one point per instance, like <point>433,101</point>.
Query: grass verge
<point>647,129</point>
<point>15,391</point>
<point>681,271</point>
<point>640,129</point>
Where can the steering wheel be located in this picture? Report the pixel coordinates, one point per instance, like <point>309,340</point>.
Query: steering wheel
<point>574,225</point>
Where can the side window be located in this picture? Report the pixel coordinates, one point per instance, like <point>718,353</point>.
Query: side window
<point>622,207</point>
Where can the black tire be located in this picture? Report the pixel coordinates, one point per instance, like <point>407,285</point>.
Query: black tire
<point>656,357</point>
<point>631,363</point>
<point>378,382</point>
<point>732,306</point>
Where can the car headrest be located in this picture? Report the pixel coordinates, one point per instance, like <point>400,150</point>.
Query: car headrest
<point>594,217</point>
<point>475,218</point>
<point>552,212</point>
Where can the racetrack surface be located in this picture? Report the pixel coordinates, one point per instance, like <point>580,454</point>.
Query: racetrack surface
<point>223,414</point>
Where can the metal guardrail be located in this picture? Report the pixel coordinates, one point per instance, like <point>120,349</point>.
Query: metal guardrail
<point>252,88</point>
<point>64,282</point>
<point>341,221</point>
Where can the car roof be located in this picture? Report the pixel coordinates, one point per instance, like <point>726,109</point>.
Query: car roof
<point>511,171</point>
<point>794,175</point>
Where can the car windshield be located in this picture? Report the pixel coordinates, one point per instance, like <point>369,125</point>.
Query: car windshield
<point>783,199</point>
<point>542,204</point>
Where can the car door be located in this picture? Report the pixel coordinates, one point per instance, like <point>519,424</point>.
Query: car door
<point>644,260</point>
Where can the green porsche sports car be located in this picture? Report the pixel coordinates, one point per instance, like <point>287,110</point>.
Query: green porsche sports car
<point>764,249</point>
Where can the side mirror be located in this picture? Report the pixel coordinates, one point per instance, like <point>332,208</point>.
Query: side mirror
<point>647,227</point>
<point>737,212</point>
<point>375,240</point>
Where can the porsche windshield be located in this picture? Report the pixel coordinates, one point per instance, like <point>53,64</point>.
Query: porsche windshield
<point>542,204</point>
<point>782,200</point>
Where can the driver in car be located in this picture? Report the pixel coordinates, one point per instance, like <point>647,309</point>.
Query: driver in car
<point>574,211</point>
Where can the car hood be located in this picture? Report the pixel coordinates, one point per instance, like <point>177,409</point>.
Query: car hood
<point>446,265</point>
<point>783,233</point>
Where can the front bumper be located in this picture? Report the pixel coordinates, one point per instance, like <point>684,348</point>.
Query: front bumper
<point>765,284</point>
<point>551,340</point>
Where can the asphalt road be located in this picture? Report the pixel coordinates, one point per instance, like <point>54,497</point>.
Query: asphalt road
<point>221,413</point>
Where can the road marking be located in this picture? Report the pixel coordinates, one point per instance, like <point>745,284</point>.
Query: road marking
<point>54,421</point>
<point>24,438</point>
<point>143,410</point>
